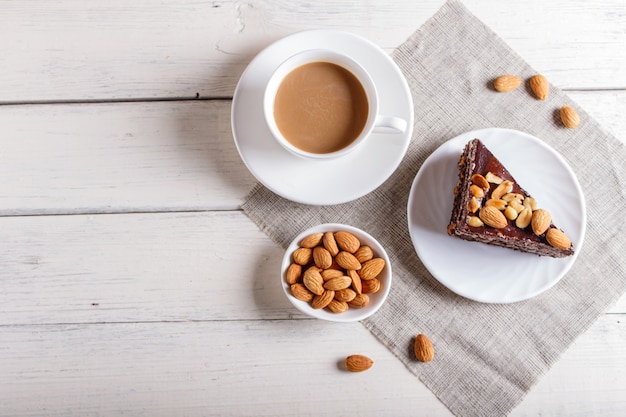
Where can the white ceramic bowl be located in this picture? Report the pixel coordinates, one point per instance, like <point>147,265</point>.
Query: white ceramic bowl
<point>353,314</point>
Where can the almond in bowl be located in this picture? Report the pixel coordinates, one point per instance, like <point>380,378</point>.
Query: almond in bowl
<point>336,272</point>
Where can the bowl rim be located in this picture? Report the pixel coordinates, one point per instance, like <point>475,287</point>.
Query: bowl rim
<point>352,315</point>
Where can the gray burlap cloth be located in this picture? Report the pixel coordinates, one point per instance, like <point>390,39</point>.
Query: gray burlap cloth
<point>488,356</point>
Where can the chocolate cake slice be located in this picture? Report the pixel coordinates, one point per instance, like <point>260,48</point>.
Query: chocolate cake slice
<point>491,207</point>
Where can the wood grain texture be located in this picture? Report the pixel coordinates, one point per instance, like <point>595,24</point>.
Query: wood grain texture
<point>148,156</point>
<point>73,50</point>
<point>138,267</point>
<point>130,281</point>
<point>120,157</point>
<point>141,268</point>
<point>264,368</point>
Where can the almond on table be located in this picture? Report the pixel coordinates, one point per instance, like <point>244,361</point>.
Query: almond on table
<point>506,83</point>
<point>358,363</point>
<point>539,86</point>
<point>423,348</point>
<point>569,117</point>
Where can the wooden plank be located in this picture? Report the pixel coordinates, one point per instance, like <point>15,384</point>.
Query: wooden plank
<point>265,368</point>
<point>150,156</point>
<point>141,267</point>
<point>181,313</point>
<point>69,50</point>
<point>235,368</point>
<point>138,267</point>
<point>582,382</point>
<point>607,109</point>
<point>569,43</point>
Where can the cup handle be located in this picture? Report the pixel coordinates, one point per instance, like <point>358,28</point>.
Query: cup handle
<point>394,123</point>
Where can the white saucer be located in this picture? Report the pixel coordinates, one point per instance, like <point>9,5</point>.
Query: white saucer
<point>330,181</point>
<point>483,272</point>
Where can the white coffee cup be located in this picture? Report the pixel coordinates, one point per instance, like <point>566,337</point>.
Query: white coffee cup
<point>373,121</point>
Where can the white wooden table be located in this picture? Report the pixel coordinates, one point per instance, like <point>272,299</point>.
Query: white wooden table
<point>130,280</point>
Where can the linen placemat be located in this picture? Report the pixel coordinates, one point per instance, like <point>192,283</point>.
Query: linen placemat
<point>488,356</point>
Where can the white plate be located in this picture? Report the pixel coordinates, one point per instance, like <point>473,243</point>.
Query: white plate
<point>329,181</point>
<point>483,272</point>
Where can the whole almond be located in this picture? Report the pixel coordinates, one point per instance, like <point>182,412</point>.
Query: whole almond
<point>347,260</point>
<point>569,117</point>
<point>337,306</point>
<point>323,299</point>
<point>311,241</point>
<point>332,273</point>
<point>357,284</point>
<point>358,363</point>
<point>364,253</point>
<point>312,279</point>
<point>370,269</point>
<point>339,283</point>
<point>423,348</point>
<point>371,286</point>
<point>322,257</point>
<point>480,181</point>
<point>330,244</point>
<point>301,292</point>
<point>360,301</point>
<point>540,221</point>
<point>347,295</point>
<point>293,273</point>
<point>335,265</point>
<point>558,239</point>
<point>347,241</point>
<point>539,86</point>
<point>506,83</point>
<point>302,256</point>
<point>493,217</point>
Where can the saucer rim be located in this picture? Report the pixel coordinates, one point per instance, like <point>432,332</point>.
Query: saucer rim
<point>355,190</point>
